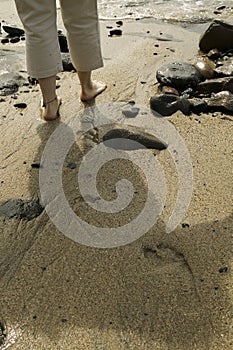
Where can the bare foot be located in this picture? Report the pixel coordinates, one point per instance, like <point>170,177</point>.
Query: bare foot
<point>89,93</point>
<point>50,110</point>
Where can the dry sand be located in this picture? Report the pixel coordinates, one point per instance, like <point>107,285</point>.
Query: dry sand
<point>162,292</point>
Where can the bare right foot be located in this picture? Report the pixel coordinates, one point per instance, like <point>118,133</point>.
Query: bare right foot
<point>89,93</point>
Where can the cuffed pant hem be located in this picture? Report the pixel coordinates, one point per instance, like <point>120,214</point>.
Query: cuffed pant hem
<point>89,68</point>
<point>45,73</point>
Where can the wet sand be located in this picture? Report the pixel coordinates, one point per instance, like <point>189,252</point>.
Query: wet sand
<point>163,291</point>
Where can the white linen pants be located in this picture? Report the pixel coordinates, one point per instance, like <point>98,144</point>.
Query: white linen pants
<point>80,18</point>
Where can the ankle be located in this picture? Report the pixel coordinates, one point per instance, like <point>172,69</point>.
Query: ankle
<point>48,102</point>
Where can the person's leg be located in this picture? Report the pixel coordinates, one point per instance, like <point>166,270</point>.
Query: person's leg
<point>81,21</point>
<point>90,88</point>
<point>51,101</point>
<point>42,48</point>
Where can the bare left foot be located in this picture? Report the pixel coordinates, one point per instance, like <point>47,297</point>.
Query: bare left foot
<point>89,93</point>
<point>50,110</point>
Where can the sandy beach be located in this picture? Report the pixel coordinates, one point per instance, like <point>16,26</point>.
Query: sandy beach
<point>163,291</point>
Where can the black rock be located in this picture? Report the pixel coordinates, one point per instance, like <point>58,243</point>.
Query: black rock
<point>15,40</point>
<point>132,133</point>
<point>63,43</point>
<point>219,35</point>
<point>198,107</point>
<point>20,105</point>
<point>223,269</point>
<point>32,81</point>
<point>119,23</point>
<point>168,104</point>
<point>13,31</point>
<point>179,75</point>
<point>19,209</point>
<point>5,41</point>
<point>66,63</point>
<point>115,32</point>
<point>36,165</point>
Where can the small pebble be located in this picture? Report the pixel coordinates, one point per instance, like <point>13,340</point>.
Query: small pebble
<point>20,105</point>
<point>115,32</point>
<point>5,41</point>
<point>72,165</point>
<point>223,269</point>
<point>119,23</point>
<point>184,225</point>
<point>15,40</point>
<point>35,165</point>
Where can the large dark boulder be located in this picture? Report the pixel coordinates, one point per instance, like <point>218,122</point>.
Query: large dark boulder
<point>179,75</point>
<point>219,35</point>
<point>168,104</point>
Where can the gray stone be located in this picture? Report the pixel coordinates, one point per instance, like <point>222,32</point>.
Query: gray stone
<point>219,35</point>
<point>215,85</point>
<point>66,63</point>
<point>131,112</point>
<point>225,67</point>
<point>19,209</point>
<point>168,104</point>
<point>188,93</point>
<point>223,99</point>
<point>10,83</point>
<point>135,134</point>
<point>179,75</point>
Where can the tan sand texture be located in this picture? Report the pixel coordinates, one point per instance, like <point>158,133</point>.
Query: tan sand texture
<point>161,292</point>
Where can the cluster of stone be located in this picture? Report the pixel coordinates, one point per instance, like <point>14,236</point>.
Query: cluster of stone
<point>12,34</point>
<point>204,86</point>
<point>11,81</point>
